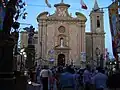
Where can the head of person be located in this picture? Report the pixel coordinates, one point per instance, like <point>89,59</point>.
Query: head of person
<point>69,69</point>
<point>100,69</point>
<point>45,67</point>
<point>88,67</point>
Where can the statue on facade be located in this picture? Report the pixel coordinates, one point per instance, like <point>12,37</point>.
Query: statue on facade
<point>61,42</point>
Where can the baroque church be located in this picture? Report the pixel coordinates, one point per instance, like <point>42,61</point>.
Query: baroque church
<point>62,39</point>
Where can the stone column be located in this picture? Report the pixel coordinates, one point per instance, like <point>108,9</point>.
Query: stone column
<point>44,40</point>
<point>41,39</point>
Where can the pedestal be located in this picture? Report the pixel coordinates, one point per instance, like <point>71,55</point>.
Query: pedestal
<point>7,79</point>
<point>30,56</point>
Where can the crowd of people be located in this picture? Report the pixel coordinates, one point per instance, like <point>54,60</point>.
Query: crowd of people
<point>71,78</point>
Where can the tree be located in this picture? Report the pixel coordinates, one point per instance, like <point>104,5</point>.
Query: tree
<point>7,42</point>
<point>11,14</point>
<point>12,11</point>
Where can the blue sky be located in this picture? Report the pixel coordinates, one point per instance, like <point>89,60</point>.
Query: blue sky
<point>35,7</point>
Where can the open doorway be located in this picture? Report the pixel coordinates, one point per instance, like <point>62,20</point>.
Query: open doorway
<point>61,60</point>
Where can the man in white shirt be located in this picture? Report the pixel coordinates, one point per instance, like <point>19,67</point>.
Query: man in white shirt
<point>44,74</point>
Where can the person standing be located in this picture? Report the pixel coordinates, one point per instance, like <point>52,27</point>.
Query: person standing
<point>37,74</point>
<point>100,80</point>
<point>87,78</point>
<point>67,81</point>
<point>44,75</point>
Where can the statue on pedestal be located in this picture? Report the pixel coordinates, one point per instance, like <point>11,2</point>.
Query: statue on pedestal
<point>61,42</point>
<point>30,31</point>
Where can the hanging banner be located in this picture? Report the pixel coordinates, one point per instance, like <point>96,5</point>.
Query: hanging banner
<point>2,14</point>
<point>113,19</point>
<point>3,4</point>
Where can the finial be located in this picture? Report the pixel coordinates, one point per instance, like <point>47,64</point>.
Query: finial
<point>96,7</point>
<point>62,1</point>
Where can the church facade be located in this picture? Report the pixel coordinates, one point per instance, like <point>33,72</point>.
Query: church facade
<point>61,38</point>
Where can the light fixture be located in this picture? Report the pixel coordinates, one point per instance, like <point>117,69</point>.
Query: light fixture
<point>24,53</point>
<point>29,82</point>
<point>26,73</point>
<point>25,56</point>
<point>22,50</point>
<point>114,69</point>
<point>20,53</point>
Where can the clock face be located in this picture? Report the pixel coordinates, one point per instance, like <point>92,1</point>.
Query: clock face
<point>98,30</point>
<point>62,12</point>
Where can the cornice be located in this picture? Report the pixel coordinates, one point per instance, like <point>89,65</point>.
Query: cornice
<point>63,19</point>
<point>94,33</point>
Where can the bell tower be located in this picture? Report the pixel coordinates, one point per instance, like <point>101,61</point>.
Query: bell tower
<point>96,19</point>
<point>97,32</point>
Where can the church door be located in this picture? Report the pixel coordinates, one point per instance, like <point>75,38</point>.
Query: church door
<point>61,60</point>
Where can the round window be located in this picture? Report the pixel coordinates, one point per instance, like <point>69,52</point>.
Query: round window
<point>61,29</point>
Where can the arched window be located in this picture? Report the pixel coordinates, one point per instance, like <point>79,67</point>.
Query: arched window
<point>98,22</point>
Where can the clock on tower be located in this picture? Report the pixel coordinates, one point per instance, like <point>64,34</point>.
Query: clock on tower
<point>98,30</point>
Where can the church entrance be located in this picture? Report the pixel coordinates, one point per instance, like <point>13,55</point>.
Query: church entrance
<point>61,60</point>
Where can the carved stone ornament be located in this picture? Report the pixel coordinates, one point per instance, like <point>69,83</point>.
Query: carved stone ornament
<point>62,12</point>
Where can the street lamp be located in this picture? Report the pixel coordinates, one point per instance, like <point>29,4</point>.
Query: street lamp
<point>30,48</point>
<point>97,52</point>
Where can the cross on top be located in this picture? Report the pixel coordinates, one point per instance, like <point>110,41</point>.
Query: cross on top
<point>62,1</point>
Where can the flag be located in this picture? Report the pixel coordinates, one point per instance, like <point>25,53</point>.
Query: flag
<point>83,5</point>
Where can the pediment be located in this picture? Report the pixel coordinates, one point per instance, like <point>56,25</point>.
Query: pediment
<point>61,13</point>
